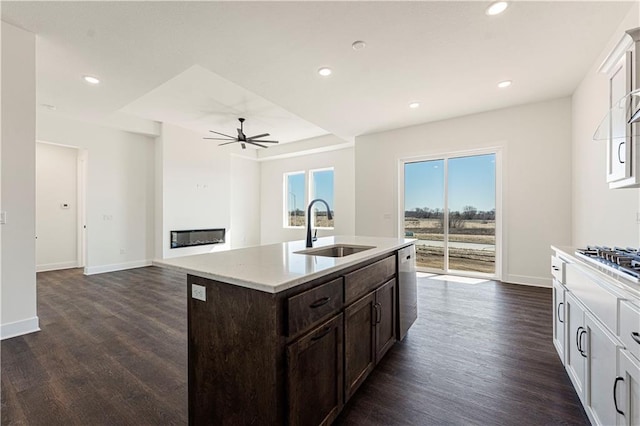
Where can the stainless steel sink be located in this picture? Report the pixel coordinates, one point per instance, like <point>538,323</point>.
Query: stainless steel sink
<point>337,250</point>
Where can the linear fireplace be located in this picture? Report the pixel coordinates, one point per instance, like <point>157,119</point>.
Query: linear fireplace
<point>197,237</point>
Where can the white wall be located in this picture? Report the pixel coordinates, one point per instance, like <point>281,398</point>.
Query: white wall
<point>196,187</point>
<point>18,305</point>
<point>536,144</point>
<point>272,193</point>
<point>56,227</point>
<point>119,192</point>
<point>245,202</point>
<point>600,215</point>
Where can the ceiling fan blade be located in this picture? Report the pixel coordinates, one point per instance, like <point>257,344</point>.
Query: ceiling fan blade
<point>220,139</point>
<point>259,136</point>
<point>254,140</point>
<point>227,143</point>
<point>243,145</point>
<point>257,144</point>
<point>222,134</point>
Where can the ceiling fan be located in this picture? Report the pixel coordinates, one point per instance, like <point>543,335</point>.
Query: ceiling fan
<point>242,138</point>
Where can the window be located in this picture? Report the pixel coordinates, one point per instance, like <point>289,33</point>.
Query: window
<point>295,202</point>
<point>320,185</point>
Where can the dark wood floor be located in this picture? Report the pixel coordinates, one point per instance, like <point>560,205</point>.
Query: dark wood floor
<point>112,351</point>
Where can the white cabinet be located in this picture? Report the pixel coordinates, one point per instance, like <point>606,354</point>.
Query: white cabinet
<point>558,318</point>
<point>601,348</point>
<point>575,355</point>
<point>622,68</point>
<point>600,318</point>
<point>626,390</point>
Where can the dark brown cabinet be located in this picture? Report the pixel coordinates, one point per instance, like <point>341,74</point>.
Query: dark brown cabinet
<point>360,342</point>
<point>369,333</point>
<point>315,375</point>
<point>293,357</point>
<point>386,318</point>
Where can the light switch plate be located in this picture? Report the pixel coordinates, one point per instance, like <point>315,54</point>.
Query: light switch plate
<point>199,292</point>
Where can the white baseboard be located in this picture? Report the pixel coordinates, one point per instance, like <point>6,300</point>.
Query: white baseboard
<point>90,270</point>
<point>527,280</point>
<point>56,266</point>
<point>18,328</point>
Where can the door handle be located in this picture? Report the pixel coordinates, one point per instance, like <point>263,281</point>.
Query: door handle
<point>620,160</point>
<point>578,339</point>
<point>322,333</point>
<point>582,351</point>
<point>378,308</point>
<point>615,398</point>
<point>559,305</point>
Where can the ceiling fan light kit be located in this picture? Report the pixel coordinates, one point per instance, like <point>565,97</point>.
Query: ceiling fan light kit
<point>242,139</point>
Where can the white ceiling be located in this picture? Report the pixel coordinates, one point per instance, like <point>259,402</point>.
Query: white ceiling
<point>203,64</point>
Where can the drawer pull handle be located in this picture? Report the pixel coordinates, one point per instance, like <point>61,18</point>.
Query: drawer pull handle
<point>320,302</point>
<point>322,334</point>
<point>559,306</point>
<point>555,268</point>
<point>615,398</point>
<point>578,339</point>
<point>635,336</point>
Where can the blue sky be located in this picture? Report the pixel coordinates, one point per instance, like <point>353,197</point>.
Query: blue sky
<point>322,188</point>
<point>472,182</point>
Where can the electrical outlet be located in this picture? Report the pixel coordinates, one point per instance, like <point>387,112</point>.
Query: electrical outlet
<point>199,292</point>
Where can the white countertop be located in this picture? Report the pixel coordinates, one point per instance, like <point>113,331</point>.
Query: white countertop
<point>276,267</point>
<point>612,278</point>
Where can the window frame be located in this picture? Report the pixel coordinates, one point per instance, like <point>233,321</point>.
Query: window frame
<point>311,196</point>
<point>308,196</point>
<point>285,199</point>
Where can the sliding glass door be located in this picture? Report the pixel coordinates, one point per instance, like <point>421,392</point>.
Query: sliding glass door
<point>450,207</point>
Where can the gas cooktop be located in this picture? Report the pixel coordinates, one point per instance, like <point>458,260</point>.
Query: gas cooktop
<point>625,262</point>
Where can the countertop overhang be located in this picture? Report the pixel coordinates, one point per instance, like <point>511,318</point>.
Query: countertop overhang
<point>603,273</point>
<point>277,267</point>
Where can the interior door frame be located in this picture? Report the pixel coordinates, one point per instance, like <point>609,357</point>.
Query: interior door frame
<point>500,237</point>
<point>81,201</point>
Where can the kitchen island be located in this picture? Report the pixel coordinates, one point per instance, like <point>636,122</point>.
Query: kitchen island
<point>282,337</point>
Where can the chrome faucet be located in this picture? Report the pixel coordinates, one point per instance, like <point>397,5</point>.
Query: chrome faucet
<point>329,216</point>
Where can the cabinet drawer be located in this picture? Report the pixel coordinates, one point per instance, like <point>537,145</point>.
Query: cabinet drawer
<point>313,305</point>
<point>630,327</point>
<point>558,269</point>
<point>362,281</point>
<point>595,297</point>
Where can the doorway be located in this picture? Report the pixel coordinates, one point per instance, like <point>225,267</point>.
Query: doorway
<point>451,205</point>
<point>60,235</point>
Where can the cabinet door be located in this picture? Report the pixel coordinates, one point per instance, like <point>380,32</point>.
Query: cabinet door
<point>385,310</point>
<point>359,341</point>
<point>601,372</point>
<point>558,318</point>
<point>626,390</point>
<point>315,375</point>
<point>619,136</point>
<point>575,355</point>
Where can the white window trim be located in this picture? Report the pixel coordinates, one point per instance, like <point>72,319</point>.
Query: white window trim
<point>501,211</point>
<point>285,198</point>
<point>311,196</point>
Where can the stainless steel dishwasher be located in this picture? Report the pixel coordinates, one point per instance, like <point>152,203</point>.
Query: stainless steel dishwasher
<point>407,289</point>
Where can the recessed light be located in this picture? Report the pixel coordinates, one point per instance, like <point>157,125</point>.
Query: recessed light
<point>91,79</point>
<point>324,71</point>
<point>358,45</point>
<point>496,8</point>
<point>504,84</point>
<point>414,105</point>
